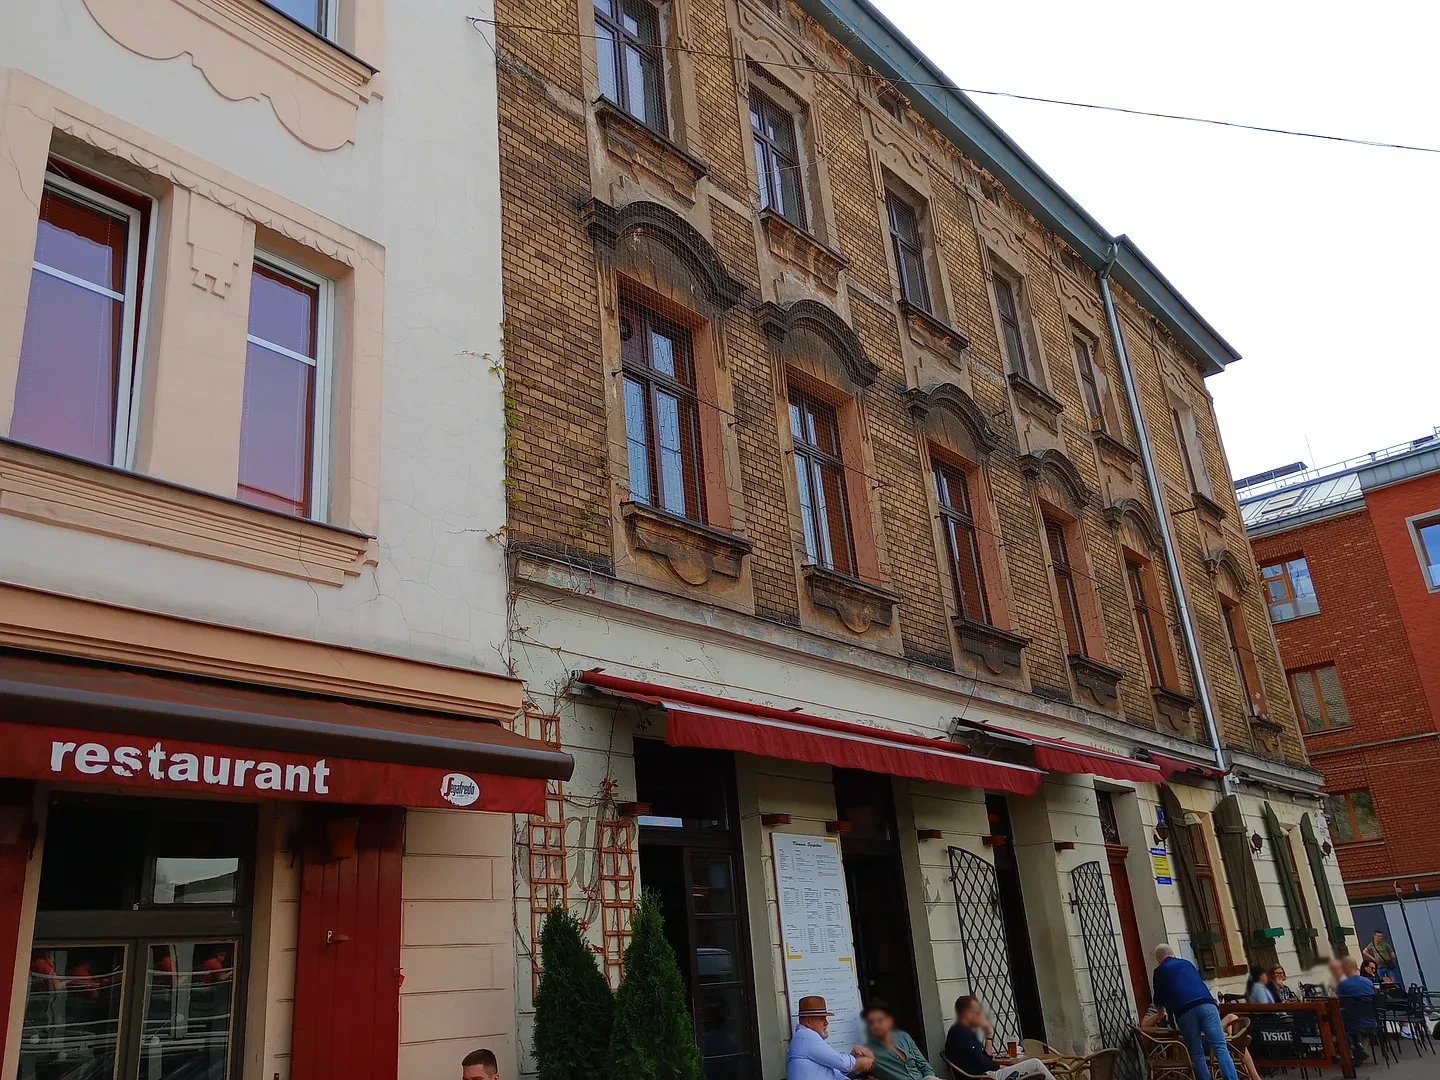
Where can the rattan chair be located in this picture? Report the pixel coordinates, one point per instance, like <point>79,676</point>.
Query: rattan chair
<point>1101,1065</point>
<point>958,1073</point>
<point>1166,1057</point>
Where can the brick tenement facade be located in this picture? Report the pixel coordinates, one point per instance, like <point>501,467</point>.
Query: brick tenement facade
<point>1378,623</point>
<point>747,441</point>
<point>557,155</point>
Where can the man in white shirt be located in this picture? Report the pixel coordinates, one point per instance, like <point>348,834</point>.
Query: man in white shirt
<point>811,1057</point>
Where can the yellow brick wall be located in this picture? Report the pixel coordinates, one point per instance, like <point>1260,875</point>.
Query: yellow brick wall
<point>558,471</point>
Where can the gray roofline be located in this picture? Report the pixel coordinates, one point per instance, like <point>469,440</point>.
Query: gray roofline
<point>862,29</point>
<point>1306,517</point>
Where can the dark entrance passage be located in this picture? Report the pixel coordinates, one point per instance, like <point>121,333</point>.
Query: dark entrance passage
<point>875,880</point>
<point>690,856</point>
<point>1017,930</point>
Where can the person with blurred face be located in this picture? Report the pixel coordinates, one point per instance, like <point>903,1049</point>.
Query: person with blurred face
<point>896,1055</point>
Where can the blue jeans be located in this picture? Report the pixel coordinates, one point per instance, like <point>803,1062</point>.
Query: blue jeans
<point>1200,1027</point>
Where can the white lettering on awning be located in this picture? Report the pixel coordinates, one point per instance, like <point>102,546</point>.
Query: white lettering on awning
<point>186,768</point>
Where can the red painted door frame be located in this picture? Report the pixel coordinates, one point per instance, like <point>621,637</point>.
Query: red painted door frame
<point>14,863</point>
<point>1129,926</point>
<point>347,966</point>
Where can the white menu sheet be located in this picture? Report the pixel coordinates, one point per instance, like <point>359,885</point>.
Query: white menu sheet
<point>815,931</point>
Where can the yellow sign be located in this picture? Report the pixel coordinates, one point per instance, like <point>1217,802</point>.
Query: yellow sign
<point>1160,861</point>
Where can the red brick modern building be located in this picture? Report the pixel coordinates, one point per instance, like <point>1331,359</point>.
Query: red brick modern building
<point>1350,558</point>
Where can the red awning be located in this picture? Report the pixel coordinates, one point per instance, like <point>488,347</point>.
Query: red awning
<point>1062,755</point>
<point>1172,767</point>
<point>718,723</point>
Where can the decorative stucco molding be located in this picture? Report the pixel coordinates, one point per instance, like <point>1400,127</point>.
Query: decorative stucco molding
<point>608,225</point>
<point>950,398</point>
<point>932,333</point>
<point>779,322</point>
<point>795,247</point>
<point>647,151</point>
<point>1054,465</point>
<point>1223,560</point>
<point>1174,708</point>
<point>249,51</point>
<point>1138,516</point>
<point>858,604</point>
<point>62,491</point>
<point>1037,401</point>
<point>1100,679</point>
<point>998,650</point>
<point>695,552</point>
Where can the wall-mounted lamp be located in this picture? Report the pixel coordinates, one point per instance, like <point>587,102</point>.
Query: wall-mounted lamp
<point>1325,849</point>
<point>771,820</point>
<point>1162,833</point>
<point>1256,843</point>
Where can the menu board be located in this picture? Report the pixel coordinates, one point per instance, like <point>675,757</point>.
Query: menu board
<point>815,931</point>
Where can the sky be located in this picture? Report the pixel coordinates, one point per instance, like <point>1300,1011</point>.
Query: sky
<point>1315,260</point>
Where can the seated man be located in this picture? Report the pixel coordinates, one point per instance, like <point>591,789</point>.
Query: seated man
<point>810,1057</point>
<point>966,1052</point>
<point>896,1055</point>
<point>1182,993</point>
<point>1352,984</point>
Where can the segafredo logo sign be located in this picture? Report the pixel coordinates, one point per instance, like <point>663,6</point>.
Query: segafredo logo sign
<point>181,767</point>
<point>459,789</point>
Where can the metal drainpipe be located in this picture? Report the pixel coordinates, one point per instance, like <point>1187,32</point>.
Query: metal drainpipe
<point>1172,562</point>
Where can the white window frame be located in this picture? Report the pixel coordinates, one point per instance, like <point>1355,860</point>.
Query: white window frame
<point>132,345</point>
<point>322,362</point>
<point>329,19</point>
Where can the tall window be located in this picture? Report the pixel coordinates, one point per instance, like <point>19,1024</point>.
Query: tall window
<point>962,542</point>
<point>777,159</point>
<point>1210,899</point>
<point>77,353</point>
<point>282,423</point>
<point>662,420</point>
<point>1289,590</point>
<point>1427,542</point>
<point>628,58</point>
<point>318,15</point>
<point>1065,586</point>
<point>1013,337</point>
<point>909,248</point>
<point>1190,457</point>
<point>1352,817</point>
<point>1145,621</point>
<point>1089,383</point>
<point>820,475</point>
<point>1322,703</point>
<point>1239,654</point>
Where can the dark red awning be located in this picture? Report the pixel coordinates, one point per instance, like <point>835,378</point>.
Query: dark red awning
<point>717,723</point>
<point>1172,767</point>
<point>1062,755</point>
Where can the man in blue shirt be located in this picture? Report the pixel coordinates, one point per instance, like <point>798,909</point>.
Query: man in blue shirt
<point>1182,993</point>
<point>1355,985</point>
<point>810,1057</point>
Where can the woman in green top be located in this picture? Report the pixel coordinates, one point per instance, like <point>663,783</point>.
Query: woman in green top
<point>896,1055</point>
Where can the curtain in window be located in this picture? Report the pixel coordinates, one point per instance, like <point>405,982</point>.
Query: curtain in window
<point>1239,860</point>
<point>1182,862</point>
<point>1333,930</point>
<point>1305,934</point>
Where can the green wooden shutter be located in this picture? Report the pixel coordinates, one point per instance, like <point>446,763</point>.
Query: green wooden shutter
<point>1182,863</point>
<point>1305,934</point>
<point>1239,860</point>
<point>1316,857</point>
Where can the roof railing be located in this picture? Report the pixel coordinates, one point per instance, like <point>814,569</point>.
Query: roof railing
<point>1320,472</point>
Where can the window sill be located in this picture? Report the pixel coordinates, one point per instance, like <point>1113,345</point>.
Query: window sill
<point>999,650</point>
<point>1174,709</point>
<point>647,150</point>
<point>54,489</point>
<point>1358,845</point>
<point>1208,506</point>
<point>694,552</point>
<point>314,86</point>
<point>1037,401</point>
<point>1099,679</point>
<point>797,247</point>
<point>932,332</point>
<point>858,604</point>
<point>1112,449</point>
<point>1265,735</point>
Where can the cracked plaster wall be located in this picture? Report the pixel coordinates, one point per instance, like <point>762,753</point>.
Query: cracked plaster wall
<point>421,180</point>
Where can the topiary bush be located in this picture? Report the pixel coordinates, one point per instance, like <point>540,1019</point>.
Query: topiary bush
<point>573,1006</point>
<point>653,1036</point>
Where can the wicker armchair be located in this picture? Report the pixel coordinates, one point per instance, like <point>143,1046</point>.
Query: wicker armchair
<point>958,1073</point>
<point>1166,1056</point>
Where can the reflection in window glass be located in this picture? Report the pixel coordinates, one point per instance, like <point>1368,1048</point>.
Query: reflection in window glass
<point>309,13</point>
<point>189,994</point>
<point>196,881</point>
<point>1430,546</point>
<point>684,788</point>
<point>1289,590</point>
<point>712,884</point>
<point>73,1001</point>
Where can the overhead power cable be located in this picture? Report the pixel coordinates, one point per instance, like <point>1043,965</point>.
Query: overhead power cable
<point>845,74</point>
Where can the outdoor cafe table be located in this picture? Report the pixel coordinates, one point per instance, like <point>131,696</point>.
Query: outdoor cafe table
<point>1296,1034</point>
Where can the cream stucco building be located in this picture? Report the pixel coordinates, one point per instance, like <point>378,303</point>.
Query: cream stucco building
<point>251,421</point>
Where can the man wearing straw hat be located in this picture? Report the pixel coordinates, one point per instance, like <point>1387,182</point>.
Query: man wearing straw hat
<point>811,1057</point>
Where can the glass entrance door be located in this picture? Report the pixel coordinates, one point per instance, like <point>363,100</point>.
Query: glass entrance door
<point>690,856</point>
<point>139,941</point>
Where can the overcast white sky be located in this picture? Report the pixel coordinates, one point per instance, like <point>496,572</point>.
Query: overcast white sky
<point>1316,260</point>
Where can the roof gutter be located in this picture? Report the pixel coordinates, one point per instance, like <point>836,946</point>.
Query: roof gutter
<point>870,36</point>
<point>1172,562</point>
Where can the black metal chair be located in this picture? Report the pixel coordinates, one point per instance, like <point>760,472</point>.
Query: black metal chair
<point>1364,1025</point>
<point>1311,992</point>
<point>1409,1008</point>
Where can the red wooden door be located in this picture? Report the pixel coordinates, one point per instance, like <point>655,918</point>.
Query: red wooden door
<point>1129,928</point>
<point>347,967</point>
<point>13,859</point>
